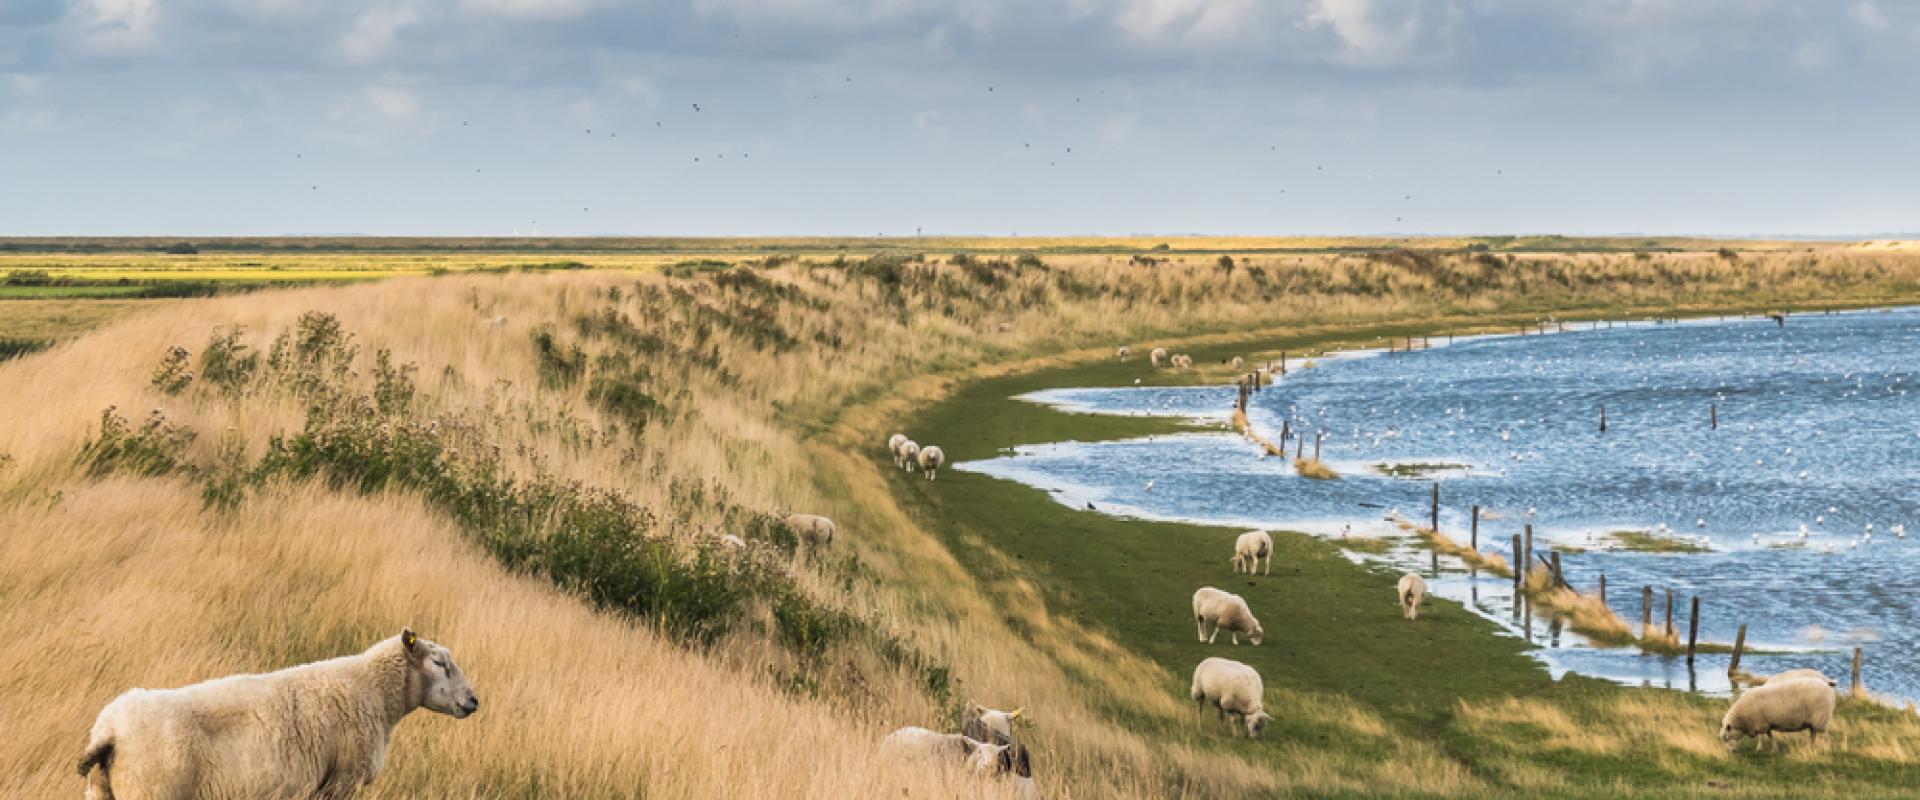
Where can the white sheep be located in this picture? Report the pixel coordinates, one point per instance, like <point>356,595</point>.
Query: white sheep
<point>893,446</point>
<point>1802,673</point>
<point>924,743</point>
<point>497,322</point>
<point>1249,549</point>
<point>1224,610</point>
<point>317,730</point>
<point>1123,353</point>
<point>1233,688</point>
<point>812,529</point>
<point>909,455</point>
<point>989,724</point>
<point>1411,591</point>
<point>931,457</point>
<point>1183,362</point>
<point>1799,704</point>
<point>1016,762</point>
<point>1238,363</point>
<point>1158,356</point>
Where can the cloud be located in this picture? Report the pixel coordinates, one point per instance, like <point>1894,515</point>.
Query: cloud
<point>116,27</point>
<point>373,33</point>
<point>1185,21</point>
<point>529,9</point>
<point>1366,40</point>
<point>392,102</point>
<point>1868,15</point>
<point>1812,56</point>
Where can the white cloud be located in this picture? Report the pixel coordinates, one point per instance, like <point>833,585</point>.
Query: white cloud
<point>1868,15</point>
<point>1185,21</point>
<point>1367,42</point>
<point>529,9</point>
<point>373,33</point>
<point>116,27</point>
<point>392,102</point>
<point>1812,56</point>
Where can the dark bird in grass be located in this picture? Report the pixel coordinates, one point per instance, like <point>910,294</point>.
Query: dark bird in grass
<point>1090,507</point>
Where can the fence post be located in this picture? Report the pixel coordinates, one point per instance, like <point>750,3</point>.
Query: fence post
<point>1436,507</point>
<point>1603,418</point>
<point>1476,529</point>
<point>1856,670</point>
<point>1603,588</point>
<point>1559,578</point>
<point>1669,630</point>
<point>1646,611</point>
<point>1316,444</point>
<point>1519,564</point>
<point>1714,410</point>
<point>1739,643</point>
<point>1693,630</point>
<point>1526,564</point>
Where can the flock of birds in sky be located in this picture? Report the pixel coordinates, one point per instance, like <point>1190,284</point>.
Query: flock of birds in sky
<point>1056,153</point>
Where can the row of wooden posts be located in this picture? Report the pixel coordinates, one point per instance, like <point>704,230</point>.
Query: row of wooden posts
<point>1524,556</point>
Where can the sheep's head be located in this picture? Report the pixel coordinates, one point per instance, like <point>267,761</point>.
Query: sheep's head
<point>980,755</point>
<point>1729,736</point>
<point>1257,723</point>
<point>1257,634</point>
<point>438,683</point>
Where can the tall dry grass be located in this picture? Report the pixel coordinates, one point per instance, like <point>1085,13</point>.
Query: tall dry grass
<point>766,385</point>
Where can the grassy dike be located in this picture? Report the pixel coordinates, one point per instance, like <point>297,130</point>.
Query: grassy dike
<point>1334,635</point>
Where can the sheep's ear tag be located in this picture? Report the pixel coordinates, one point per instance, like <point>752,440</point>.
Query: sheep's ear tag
<point>1017,712</point>
<point>409,638</point>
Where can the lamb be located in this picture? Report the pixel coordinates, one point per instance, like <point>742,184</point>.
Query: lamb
<point>1802,673</point>
<point>988,724</point>
<point>909,455</point>
<point>1249,549</point>
<point>1123,353</point>
<point>1411,591</point>
<point>1797,704</point>
<point>812,529</point>
<point>931,457</point>
<point>1233,688</point>
<point>1224,610</point>
<point>917,741</point>
<point>317,730</point>
<point>1158,356</point>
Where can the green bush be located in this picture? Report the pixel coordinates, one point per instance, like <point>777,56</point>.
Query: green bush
<point>172,376</point>
<point>157,447</point>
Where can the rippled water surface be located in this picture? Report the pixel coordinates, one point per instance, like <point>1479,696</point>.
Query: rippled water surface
<point>1819,426</point>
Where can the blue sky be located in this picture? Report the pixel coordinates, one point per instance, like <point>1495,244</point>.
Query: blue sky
<point>204,117</point>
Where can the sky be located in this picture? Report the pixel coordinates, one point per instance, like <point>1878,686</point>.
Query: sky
<point>897,117</point>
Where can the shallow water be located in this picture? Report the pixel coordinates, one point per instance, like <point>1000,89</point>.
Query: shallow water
<point>1818,426</point>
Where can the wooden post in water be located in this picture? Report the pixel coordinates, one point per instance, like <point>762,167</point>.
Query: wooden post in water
<point>1646,611</point>
<point>1299,448</point>
<point>1476,529</point>
<point>1519,564</point>
<point>1603,588</point>
<point>1316,444</point>
<point>1526,564</point>
<point>1286,427</point>
<point>1713,411</point>
<point>1559,578</point>
<point>1669,629</point>
<point>1739,644</point>
<point>1856,670</point>
<point>1603,418</point>
<point>1693,630</point>
<point>1436,506</point>
<point>1283,362</point>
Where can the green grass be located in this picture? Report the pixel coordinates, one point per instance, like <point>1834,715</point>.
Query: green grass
<point>1332,626</point>
<point>1413,470</point>
<point>1648,542</point>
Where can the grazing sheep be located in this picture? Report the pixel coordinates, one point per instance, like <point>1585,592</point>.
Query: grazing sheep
<point>893,445</point>
<point>1123,353</point>
<point>1233,688</point>
<point>989,724</point>
<point>313,731</point>
<point>1802,673</point>
<point>1183,362</point>
<point>931,457</point>
<point>1158,356</point>
<point>812,529</point>
<point>1238,363</point>
<point>1799,704</point>
<point>1224,610</point>
<point>909,455</point>
<point>1016,761</point>
<point>1411,591</point>
<point>924,743</point>
<point>1249,549</point>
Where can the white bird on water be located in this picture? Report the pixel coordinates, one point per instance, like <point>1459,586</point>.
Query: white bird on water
<point>1149,486</point>
<point>1700,523</point>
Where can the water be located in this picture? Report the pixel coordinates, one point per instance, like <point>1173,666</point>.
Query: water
<point>1819,425</point>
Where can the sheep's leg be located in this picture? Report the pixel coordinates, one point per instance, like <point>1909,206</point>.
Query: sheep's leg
<point>1200,627</point>
<point>1269,564</point>
<point>1216,633</point>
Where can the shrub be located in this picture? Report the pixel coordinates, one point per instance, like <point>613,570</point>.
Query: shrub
<point>172,376</point>
<point>156,448</point>
<point>559,366</point>
<point>227,363</point>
